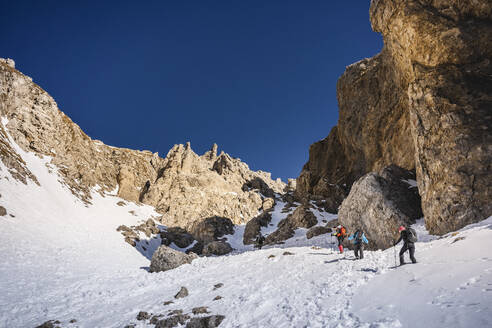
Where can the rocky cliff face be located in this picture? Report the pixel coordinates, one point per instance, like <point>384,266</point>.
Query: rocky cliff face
<point>424,102</point>
<point>183,186</point>
<point>190,188</point>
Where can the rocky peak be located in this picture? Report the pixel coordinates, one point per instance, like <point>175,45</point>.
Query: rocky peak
<point>183,186</point>
<point>9,62</point>
<point>211,155</point>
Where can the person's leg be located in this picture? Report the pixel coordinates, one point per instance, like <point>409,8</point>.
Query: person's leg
<point>361,251</point>
<point>356,251</point>
<point>411,249</point>
<point>402,251</point>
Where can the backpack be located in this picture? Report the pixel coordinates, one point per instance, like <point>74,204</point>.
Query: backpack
<point>343,231</point>
<point>412,235</point>
<point>358,237</point>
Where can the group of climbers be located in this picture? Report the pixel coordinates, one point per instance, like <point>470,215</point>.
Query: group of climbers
<point>358,238</point>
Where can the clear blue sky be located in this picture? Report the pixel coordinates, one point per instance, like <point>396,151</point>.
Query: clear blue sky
<point>256,77</point>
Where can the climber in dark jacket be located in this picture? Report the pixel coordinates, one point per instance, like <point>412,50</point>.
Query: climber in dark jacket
<point>408,244</point>
<point>359,240</point>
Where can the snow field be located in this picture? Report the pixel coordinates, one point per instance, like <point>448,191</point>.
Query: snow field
<point>64,260</point>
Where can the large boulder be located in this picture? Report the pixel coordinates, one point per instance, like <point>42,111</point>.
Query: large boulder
<point>216,248</point>
<point>379,203</point>
<point>302,217</point>
<point>211,229</point>
<point>253,227</point>
<point>166,258</point>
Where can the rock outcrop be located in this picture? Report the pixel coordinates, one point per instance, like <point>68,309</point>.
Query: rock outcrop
<point>317,231</point>
<point>166,258</point>
<point>211,229</point>
<point>253,227</point>
<point>184,187</point>
<point>302,217</point>
<point>190,188</point>
<point>379,203</point>
<point>423,103</point>
<point>179,236</point>
<point>216,248</point>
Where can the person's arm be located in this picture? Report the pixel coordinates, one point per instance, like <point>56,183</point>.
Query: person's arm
<point>350,237</point>
<point>364,239</point>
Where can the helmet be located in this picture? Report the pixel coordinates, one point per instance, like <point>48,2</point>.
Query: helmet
<point>401,228</point>
<point>339,226</point>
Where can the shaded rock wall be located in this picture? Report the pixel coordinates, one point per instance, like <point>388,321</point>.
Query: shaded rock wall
<point>444,50</point>
<point>373,130</point>
<point>424,102</point>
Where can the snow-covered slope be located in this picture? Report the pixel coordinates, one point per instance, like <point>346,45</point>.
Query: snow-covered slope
<point>61,259</point>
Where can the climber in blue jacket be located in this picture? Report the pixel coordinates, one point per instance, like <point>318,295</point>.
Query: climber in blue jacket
<point>359,239</point>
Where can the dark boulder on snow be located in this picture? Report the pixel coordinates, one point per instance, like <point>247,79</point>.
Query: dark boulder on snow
<point>253,227</point>
<point>183,292</point>
<point>216,248</point>
<point>179,236</point>
<point>205,322</point>
<point>302,217</point>
<point>219,285</point>
<point>142,315</point>
<point>212,228</point>
<point>49,324</point>
<point>379,203</point>
<point>166,258</point>
<point>199,310</point>
<point>173,321</point>
<point>3,211</point>
<point>197,248</point>
<point>316,231</point>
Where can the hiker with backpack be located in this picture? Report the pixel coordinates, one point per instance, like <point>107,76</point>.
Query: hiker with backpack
<point>340,233</point>
<point>409,237</point>
<point>359,239</point>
